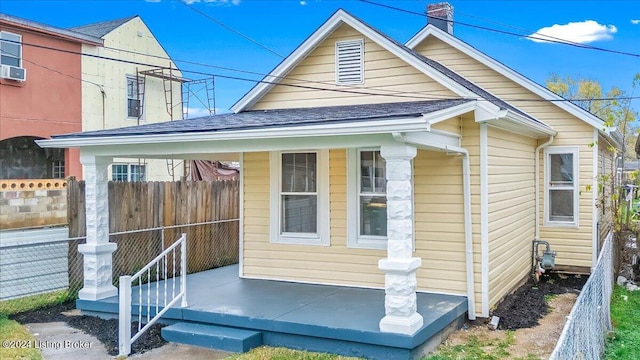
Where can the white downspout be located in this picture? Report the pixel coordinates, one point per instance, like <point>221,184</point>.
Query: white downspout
<point>537,187</point>
<point>468,235</point>
<point>468,226</point>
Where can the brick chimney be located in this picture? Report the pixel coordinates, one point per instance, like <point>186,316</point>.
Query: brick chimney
<point>440,15</point>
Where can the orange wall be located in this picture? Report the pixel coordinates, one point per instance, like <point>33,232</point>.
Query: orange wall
<point>50,101</point>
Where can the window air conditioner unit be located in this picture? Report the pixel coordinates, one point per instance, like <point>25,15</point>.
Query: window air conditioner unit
<point>13,73</point>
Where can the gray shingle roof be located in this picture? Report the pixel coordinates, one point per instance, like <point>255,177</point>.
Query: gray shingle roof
<point>279,118</point>
<point>101,29</point>
<point>81,37</point>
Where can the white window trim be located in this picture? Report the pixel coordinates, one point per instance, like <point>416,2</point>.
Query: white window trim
<point>134,78</point>
<point>129,172</point>
<point>19,57</point>
<point>575,151</point>
<point>322,168</point>
<point>337,66</point>
<point>354,239</point>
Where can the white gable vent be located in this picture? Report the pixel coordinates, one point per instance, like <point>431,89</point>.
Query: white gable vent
<point>350,62</point>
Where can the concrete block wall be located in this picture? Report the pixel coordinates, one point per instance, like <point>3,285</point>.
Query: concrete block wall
<point>32,203</point>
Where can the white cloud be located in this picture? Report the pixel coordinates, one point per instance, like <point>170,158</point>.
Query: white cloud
<point>303,3</point>
<point>583,32</point>
<point>635,21</point>
<point>214,2</point>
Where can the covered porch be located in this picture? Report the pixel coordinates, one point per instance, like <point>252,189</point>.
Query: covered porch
<point>336,319</point>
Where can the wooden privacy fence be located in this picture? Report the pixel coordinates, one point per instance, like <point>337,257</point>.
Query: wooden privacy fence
<point>147,217</point>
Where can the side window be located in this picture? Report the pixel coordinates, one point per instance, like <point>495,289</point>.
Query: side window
<point>135,91</point>
<point>561,186</point>
<point>10,49</point>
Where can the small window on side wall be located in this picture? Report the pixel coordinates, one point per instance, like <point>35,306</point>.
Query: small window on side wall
<point>135,91</point>
<point>561,186</point>
<point>10,49</point>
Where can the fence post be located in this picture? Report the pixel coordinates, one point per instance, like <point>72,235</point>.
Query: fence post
<point>124,316</point>
<point>183,268</point>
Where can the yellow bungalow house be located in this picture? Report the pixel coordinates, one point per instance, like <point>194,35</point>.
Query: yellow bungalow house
<point>370,164</point>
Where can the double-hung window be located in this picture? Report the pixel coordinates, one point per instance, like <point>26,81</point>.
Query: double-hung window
<point>128,172</point>
<point>561,186</point>
<point>10,49</point>
<point>300,202</point>
<point>135,91</point>
<point>367,209</point>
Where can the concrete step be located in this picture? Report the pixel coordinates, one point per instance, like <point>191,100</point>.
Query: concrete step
<point>213,337</point>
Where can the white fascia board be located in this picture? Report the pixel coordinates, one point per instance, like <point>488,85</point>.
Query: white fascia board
<point>434,139</point>
<point>541,128</point>
<point>348,128</point>
<point>448,113</point>
<point>511,74</point>
<point>339,18</point>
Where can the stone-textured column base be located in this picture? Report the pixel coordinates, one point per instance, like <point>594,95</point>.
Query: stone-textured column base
<point>97,271</point>
<point>401,324</point>
<point>400,299</point>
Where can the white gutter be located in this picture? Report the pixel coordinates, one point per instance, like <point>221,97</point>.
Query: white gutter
<point>468,236</point>
<point>537,181</point>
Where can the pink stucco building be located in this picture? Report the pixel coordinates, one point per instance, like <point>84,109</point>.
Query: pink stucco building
<point>40,95</point>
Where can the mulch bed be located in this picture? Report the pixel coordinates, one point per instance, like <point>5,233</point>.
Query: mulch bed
<point>526,306</point>
<point>106,331</point>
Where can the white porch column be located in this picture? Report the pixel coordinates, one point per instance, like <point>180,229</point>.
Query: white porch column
<point>399,266</point>
<point>97,251</point>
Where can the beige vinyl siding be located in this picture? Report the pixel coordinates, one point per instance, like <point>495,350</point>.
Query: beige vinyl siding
<point>385,74</point>
<point>511,200</point>
<point>334,264</point>
<point>452,125</point>
<point>439,222</point>
<point>606,177</point>
<point>572,244</point>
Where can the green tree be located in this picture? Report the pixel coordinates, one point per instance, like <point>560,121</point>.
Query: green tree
<point>613,106</point>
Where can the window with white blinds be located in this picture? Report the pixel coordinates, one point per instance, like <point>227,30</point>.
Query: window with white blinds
<point>350,62</point>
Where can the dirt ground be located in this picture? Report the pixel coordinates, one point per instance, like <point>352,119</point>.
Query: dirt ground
<point>536,314</point>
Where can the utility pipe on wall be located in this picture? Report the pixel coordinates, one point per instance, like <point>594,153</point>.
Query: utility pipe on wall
<point>468,235</point>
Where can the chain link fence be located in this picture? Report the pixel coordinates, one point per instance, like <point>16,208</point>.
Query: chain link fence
<point>584,334</point>
<point>47,265</point>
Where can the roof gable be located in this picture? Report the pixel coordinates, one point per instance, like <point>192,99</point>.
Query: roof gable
<point>509,73</point>
<point>339,18</point>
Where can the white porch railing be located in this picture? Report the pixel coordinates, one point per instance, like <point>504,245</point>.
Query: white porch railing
<point>157,266</point>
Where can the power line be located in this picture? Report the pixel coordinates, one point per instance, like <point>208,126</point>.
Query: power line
<point>411,95</point>
<point>545,38</point>
<point>230,29</point>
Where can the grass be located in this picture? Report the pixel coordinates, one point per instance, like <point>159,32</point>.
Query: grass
<point>16,334</point>
<point>623,342</point>
<point>477,349</point>
<point>278,353</point>
<point>28,303</point>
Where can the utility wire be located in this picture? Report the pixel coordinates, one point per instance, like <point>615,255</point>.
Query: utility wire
<point>230,29</point>
<point>545,38</point>
<point>410,95</point>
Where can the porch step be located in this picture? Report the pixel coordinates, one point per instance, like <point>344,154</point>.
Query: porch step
<point>212,336</point>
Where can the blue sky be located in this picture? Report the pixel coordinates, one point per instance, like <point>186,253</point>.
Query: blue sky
<point>284,24</point>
